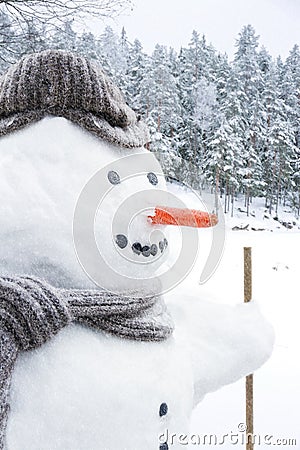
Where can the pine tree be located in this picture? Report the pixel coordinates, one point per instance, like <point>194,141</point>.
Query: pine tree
<point>86,45</point>
<point>159,102</point>
<point>194,74</point>
<point>158,93</point>
<point>7,41</point>
<point>229,131</point>
<point>278,144</point>
<point>292,91</point>
<point>250,83</point>
<point>113,56</point>
<point>136,67</point>
<point>65,38</point>
<point>220,161</point>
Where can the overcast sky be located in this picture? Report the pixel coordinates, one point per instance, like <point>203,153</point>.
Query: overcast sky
<point>170,22</point>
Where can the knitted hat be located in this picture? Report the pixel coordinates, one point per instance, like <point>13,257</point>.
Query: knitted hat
<point>59,83</point>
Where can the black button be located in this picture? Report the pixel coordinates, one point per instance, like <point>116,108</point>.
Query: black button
<point>163,409</point>
<point>164,446</point>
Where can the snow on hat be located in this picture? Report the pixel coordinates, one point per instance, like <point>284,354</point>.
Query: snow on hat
<point>64,84</point>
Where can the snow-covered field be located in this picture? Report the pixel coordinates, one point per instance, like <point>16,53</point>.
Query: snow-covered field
<point>276,271</point>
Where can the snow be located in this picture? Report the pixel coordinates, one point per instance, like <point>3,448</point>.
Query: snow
<point>260,219</point>
<point>275,282</point>
<point>112,402</point>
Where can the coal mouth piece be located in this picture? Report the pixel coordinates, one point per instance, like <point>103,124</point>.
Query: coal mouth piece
<point>139,249</point>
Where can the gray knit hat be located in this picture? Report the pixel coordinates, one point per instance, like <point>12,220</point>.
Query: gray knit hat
<point>64,84</point>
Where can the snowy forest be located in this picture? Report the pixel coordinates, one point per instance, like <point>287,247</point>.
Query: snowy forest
<point>233,125</point>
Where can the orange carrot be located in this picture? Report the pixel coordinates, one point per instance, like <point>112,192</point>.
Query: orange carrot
<point>183,217</point>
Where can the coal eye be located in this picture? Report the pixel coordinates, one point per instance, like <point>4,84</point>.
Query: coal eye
<point>113,177</point>
<point>152,178</point>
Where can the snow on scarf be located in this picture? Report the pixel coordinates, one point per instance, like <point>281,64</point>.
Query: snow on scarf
<point>32,311</point>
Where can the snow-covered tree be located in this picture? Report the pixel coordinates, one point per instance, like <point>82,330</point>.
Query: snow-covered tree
<point>159,102</point>
<point>86,45</point>
<point>65,38</point>
<point>220,160</point>
<point>136,70</point>
<point>246,65</point>
<point>158,93</point>
<point>113,56</point>
<point>277,152</point>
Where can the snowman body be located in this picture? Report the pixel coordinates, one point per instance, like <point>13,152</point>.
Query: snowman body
<point>85,389</point>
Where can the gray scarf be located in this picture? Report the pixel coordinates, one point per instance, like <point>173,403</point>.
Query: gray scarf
<point>32,311</point>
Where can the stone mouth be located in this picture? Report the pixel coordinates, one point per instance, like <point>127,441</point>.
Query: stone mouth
<point>139,249</point>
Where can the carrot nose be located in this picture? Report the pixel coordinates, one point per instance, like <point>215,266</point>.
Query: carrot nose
<point>183,217</point>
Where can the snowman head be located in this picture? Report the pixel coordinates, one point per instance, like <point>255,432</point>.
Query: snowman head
<point>115,240</point>
<point>83,199</point>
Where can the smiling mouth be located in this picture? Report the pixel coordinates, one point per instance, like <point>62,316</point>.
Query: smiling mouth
<point>139,249</point>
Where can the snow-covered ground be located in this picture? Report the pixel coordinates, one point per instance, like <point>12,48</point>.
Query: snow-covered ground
<point>260,219</point>
<point>276,271</point>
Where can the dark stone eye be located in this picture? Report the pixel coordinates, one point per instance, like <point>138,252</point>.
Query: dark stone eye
<point>152,178</point>
<point>113,177</point>
<point>121,240</point>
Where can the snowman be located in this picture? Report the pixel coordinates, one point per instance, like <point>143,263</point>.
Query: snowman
<point>91,356</point>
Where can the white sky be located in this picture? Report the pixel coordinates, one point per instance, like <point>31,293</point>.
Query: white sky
<point>171,22</point>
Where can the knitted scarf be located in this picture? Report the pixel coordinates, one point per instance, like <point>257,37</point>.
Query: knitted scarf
<point>32,311</point>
